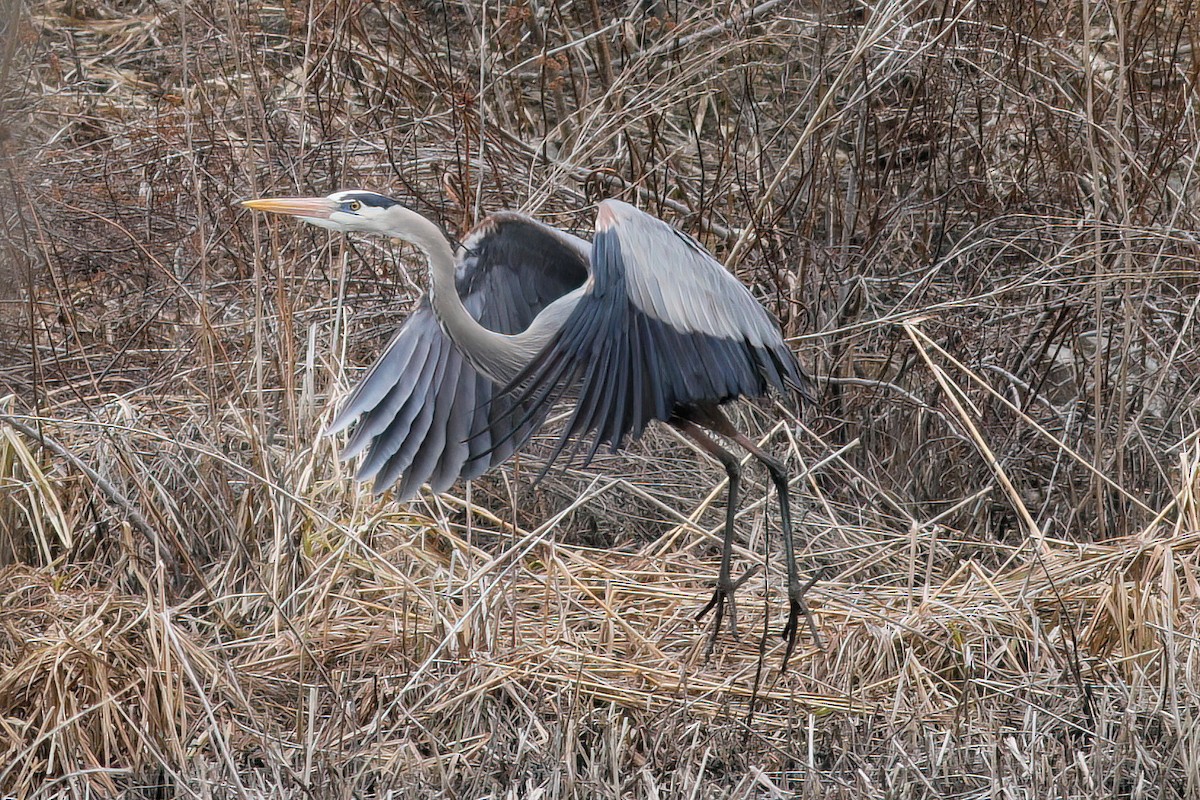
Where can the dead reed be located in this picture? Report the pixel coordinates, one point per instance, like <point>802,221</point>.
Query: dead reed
<point>976,221</point>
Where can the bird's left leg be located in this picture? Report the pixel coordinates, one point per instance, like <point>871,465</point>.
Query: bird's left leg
<point>726,586</point>
<point>719,423</point>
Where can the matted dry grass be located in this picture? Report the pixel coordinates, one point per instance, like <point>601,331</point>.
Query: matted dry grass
<point>976,222</point>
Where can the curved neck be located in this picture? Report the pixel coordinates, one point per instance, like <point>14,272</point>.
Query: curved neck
<point>496,355</point>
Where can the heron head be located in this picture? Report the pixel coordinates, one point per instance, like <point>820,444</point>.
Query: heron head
<point>353,210</point>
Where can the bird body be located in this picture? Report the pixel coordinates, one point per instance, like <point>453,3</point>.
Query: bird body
<point>641,325</point>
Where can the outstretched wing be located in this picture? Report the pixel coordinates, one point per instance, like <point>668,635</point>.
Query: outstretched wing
<point>661,326</point>
<point>424,415</point>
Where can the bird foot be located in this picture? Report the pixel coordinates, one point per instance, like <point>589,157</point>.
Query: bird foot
<point>724,594</point>
<point>796,607</point>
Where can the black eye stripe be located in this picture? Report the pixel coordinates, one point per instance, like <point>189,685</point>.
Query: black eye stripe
<point>367,199</point>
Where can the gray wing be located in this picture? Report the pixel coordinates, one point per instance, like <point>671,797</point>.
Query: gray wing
<point>661,326</point>
<point>423,414</point>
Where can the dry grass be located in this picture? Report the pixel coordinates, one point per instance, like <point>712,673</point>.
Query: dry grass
<point>977,221</point>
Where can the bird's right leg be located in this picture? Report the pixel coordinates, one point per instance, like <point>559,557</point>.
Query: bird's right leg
<point>726,587</point>
<point>796,591</point>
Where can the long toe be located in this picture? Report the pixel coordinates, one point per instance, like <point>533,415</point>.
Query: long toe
<point>718,602</point>
<point>723,602</point>
<point>797,607</point>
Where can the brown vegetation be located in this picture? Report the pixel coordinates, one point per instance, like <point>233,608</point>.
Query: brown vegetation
<point>977,222</point>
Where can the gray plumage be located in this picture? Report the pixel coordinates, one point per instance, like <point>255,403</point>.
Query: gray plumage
<point>641,325</point>
<point>660,328</point>
<point>424,414</point>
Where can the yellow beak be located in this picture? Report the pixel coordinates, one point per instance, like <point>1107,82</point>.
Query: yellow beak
<point>315,207</point>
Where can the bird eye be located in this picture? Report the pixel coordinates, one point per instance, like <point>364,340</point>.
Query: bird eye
<point>354,205</point>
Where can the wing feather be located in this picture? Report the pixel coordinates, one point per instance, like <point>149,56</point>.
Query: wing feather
<point>662,326</point>
<point>422,413</point>
<point>395,412</point>
<point>397,442</point>
<point>372,390</point>
<point>442,474</point>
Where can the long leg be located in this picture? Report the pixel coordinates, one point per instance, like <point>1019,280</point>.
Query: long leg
<point>726,586</point>
<point>717,422</point>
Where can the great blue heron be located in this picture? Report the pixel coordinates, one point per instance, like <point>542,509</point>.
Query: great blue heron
<point>642,324</point>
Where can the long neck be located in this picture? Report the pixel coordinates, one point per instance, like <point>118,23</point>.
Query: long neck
<point>496,355</point>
